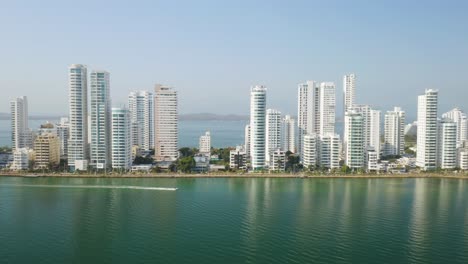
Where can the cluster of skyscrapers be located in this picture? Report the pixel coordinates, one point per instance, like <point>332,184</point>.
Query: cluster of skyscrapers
<point>441,142</point>
<point>98,135</point>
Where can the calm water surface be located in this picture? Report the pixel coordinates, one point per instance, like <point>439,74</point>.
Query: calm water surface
<point>234,221</point>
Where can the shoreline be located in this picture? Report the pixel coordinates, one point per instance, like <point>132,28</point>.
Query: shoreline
<point>463,176</point>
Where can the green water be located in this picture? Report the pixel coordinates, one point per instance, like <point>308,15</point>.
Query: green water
<point>42,220</point>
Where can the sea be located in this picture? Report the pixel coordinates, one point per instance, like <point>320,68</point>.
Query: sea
<point>233,220</point>
<point>223,133</point>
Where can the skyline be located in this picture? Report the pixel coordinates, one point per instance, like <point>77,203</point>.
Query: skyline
<point>209,53</point>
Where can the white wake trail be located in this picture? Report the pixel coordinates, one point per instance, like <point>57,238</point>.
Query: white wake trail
<point>92,187</point>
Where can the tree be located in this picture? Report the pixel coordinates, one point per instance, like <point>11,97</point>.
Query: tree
<point>345,169</point>
<point>187,152</point>
<point>143,160</point>
<point>185,164</point>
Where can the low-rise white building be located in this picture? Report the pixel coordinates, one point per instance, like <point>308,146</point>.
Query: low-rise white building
<point>277,160</point>
<point>463,159</point>
<point>329,149</point>
<point>372,160</point>
<point>205,143</point>
<point>20,159</point>
<point>238,158</point>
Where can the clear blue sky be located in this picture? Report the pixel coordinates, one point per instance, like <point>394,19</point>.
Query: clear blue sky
<point>213,51</point>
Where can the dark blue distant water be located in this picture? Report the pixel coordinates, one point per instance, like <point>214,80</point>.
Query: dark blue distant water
<point>223,133</point>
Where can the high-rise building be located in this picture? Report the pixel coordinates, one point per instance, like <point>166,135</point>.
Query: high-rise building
<point>306,111</point>
<point>309,151</point>
<point>354,139</point>
<point>426,155</point>
<point>258,95</point>
<point>288,134</point>
<point>63,133</point>
<point>141,107</point>
<point>21,136</point>
<point>247,140</point>
<point>447,145</point>
<point>78,149</point>
<point>349,91</point>
<point>47,151</point>
<point>205,143</point>
<point>371,127</point>
<point>100,120</point>
<point>456,115</point>
<point>166,120</point>
<point>121,139</point>
<point>394,135</point>
<point>327,108</point>
<point>273,133</point>
<point>329,149</point>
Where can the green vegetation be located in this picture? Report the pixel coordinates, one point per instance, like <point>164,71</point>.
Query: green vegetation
<point>185,164</point>
<point>143,160</point>
<point>5,150</point>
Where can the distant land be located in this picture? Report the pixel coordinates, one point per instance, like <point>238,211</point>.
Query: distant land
<point>182,117</point>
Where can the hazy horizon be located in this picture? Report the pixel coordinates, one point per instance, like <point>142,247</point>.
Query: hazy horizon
<point>212,52</point>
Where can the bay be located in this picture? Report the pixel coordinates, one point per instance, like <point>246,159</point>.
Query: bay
<point>224,133</point>
<point>227,220</point>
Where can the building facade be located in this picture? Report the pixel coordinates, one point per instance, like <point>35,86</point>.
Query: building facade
<point>447,145</point>
<point>78,148</point>
<point>457,116</point>
<point>349,91</point>
<point>100,120</point>
<point>205,143</point>
<point>21,136</point>
<point>354,139</point>
<point>309,153</point>
<point>327,108</point>
<point>426,156</point>
<point>166,123</point>
<point>394,135</point>
<point>47,151</point>
<point>273,133</point>
<point>288,134</point>
<point>258,95</point>
<point>306,111</point>
<point>141,108</point>
<point>121,139</point>
<point>238,158</point>
<point>329,150</point>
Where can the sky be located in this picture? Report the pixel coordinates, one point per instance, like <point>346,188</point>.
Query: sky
<point>211,52</point>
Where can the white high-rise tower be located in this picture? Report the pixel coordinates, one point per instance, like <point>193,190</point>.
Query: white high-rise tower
<point>327,108</point>
<point>273,133</point>
<point>305,111</point>
<point>349,91</point>
<point>166,118</point>
<point>354,139</point>
<point>100,120</point>
<point>78,150</point>
<point>447,145</point>
<point>426,156</point>
<point>394,137</point>
<point>288,134</point>
<point>20,134</point>
<point>456,115</point>
<point>257,126</point>
<point>121,139</point>
<point>141,107</point>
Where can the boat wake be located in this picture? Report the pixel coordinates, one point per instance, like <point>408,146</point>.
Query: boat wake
<point>92,187</point>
